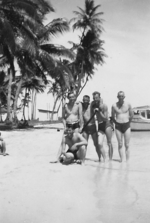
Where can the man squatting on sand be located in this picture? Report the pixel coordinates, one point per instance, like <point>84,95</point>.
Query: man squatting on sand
<point>105,127</point>
<point>2,146</point>
<point>76,147</point>
<point>122,115</point>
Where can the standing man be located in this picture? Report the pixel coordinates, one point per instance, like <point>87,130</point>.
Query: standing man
<point>122,115</point>
<point>72,114</point>
<point>104,125</point>
<point>90,128</point>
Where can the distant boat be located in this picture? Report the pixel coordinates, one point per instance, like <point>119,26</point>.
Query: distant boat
<point>141,119</point>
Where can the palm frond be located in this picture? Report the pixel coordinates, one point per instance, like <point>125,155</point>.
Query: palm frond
<point>82,10</point>
<point>7,35</point>
<point>58,50</point>
<point>57,26</point>
<point>93,10</point>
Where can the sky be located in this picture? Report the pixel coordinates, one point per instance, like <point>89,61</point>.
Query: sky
<point>127,45</point>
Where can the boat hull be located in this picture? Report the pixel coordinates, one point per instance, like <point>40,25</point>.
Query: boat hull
<point>138,124</point>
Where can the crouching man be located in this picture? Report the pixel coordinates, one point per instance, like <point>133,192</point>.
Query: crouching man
<point>76,147</point>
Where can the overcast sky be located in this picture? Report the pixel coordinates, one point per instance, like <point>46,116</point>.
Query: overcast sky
<point>127,45</point>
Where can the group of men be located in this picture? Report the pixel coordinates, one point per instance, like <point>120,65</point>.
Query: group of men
<point>82,119</point>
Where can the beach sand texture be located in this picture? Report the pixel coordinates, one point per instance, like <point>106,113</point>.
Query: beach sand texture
<point>34,190</point>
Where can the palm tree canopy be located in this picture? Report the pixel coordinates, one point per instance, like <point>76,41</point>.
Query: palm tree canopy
<point>88,18</point>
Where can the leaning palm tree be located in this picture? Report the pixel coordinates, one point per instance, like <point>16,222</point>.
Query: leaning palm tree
<point>89,54</point>
<point>89,50</point>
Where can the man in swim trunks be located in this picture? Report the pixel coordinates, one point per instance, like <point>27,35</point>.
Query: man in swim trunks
<point>2,146</point>
<point>76,147</point>
<point>122,115</point>
<point>72,114</point>
<point>104,125</point>
<point>89,129</point>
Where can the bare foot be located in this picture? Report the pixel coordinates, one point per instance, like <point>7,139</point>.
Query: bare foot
<point>5,154</point>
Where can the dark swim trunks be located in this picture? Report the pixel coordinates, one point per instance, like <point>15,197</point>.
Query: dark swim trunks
<point>122,127</point>
<point>74,153</point>
<point>102,126</point>
<point>89,129</point>
<point>74,125</point>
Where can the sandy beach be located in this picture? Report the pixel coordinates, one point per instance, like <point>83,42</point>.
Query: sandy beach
<point>35,190</point>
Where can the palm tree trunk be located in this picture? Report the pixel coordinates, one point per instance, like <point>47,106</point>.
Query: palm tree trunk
<point>54,106</point>
<point>9,118</point>
<point>33,105</point>
<point>59,106</point>
<point>24,104</point>
<point>82,87</point>
<point>79,81</point>
<point>16,99</point>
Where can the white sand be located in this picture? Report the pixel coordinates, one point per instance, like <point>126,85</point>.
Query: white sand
<point>33,190</point>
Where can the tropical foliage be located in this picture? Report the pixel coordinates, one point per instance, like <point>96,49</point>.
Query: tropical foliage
<point>25,42</point>
<point>89,50</point>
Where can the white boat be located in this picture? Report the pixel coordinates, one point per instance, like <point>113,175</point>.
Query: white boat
<point>141,119</point>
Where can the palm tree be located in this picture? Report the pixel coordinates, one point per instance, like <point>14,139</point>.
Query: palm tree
<point>59,94</point>
<point>32,86</point>
<point>90,48</point>
<point>88,19</point>
<point>89,54</point>
<point>19,22</point>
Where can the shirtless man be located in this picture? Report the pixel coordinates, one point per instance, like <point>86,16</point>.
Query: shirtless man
<point>76,147</point>
<point>89,129</point>
<point>2,147</point>
<point>122,115</point>
<point>72,114</point>
<point>104,125</point>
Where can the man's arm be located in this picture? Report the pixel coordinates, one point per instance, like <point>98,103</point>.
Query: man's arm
<point>63,116</point>
<point>113,114</point>
<point>83,141</point>
<point>103,114</point>
<point>1,139</point>
<point>130,113</point>
<point>81,116</point>
<point>62,148</point>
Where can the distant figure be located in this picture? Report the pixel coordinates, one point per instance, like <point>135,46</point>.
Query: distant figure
<point>2,147</point>
<point>104,125</point>
<point>122,115</point>
<point>76,147</point>
<point>90,128</point>
<point>72,114</point>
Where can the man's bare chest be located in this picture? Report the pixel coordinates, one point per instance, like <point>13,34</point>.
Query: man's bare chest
<point>121,109</point>
<point>72,109</point>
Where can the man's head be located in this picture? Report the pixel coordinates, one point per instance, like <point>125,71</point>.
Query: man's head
<point>71,96</point>
<point>86,100</point>
<point>121,95</point>
<point>69,130</point>
<point>96,97</point>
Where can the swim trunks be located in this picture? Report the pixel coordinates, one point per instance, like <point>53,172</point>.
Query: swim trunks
<point>74,153</point>
<point>73,125</point>
<point>102,126</point>
<point>89,129</point>
<point>122,127</point>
